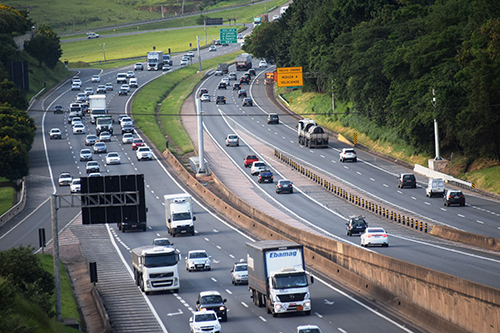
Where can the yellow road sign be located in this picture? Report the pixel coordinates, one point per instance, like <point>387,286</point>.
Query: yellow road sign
<point>289,77</point>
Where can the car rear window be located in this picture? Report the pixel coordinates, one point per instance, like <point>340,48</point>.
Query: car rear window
<point>408,177</point>
<point>376,231</point>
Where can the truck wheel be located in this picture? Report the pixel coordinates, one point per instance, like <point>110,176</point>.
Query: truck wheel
<point>144,228</point>
<point>141,283</point>
<point>176,290</point>
<point>136,278</point>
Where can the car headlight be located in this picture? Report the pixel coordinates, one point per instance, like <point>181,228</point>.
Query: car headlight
<point>222,308</point>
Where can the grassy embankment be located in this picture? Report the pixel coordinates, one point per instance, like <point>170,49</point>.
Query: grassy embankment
<point>485,174</point>
<point>162,100</point>
<point>7,195</point>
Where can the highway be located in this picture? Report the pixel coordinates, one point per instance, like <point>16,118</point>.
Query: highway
<point>371,175</point>
<point>333,308</point>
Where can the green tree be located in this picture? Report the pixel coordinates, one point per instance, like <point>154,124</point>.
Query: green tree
<point>45,46</point>
<point>15,162</point>
<point>17,124</point>
<point>23,270</point>
<point>12,95</point>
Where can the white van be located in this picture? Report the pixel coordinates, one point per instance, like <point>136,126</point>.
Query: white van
<point>435,187</point>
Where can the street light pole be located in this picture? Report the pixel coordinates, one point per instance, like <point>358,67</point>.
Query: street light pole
<point>55,242</point>
<point>436,131</point>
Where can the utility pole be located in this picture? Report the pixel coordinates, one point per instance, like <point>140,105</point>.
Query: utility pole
<point>333,100</point>
<point>182,8</point>
<point>55,242</point>
<point>436,132</point>
<point>199,54</point>
<point>200,139</point>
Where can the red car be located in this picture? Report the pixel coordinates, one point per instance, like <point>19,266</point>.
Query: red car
<point>137,143</point>
<point>249,159</point>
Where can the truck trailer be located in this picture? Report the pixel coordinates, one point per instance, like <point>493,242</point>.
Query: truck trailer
<point>97,107</point>
<point>243,62</point>
<point>179,214</point>
<point>311,135</point>
<point>277,278</point>
<point>155,61</point>
<point>155,268</point>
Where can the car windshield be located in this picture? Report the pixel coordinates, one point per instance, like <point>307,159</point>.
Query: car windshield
<point>160,259</point>
<point>285,182</point>
<point>291,280</point>
<point>241,268</point>
<point>162,242</point>
<point>376,231</point>
<point>85,151</point>
<point>198,255</point>
<point>310,330</point>
<point>251,157</point>
<point>349,151</point>
<point>76,182</point>
<point>92,163</point>
<point>211,299</point>
<point>408,177</point>
<point>233,137</point>
<point>204,317</point>
<point>113,155</point>
<point>259,164</point>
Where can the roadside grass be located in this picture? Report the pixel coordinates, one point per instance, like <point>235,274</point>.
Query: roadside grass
<point>69,306</point>
<point>7,196</point>
<point>171,89</point>
<point>133,45</point>
<point>242,15</point>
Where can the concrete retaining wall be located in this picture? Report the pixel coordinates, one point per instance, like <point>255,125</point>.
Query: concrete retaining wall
<point>440,301</point>
<point>456,235</point>
<point>17,208</point>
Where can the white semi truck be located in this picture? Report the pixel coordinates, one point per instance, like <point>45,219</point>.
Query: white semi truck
<point>155,61</point>
<point>311,135</point>
<point>97,107</point>
<point>179,214</point>
<point>277,278</point>
<point>156,268</point>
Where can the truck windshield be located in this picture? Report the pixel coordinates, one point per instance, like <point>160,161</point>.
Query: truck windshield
<point>98,111</point>
<point>160,260</point>
<point>104,121</point>
<point>181,216</point>
<point>292,280</point>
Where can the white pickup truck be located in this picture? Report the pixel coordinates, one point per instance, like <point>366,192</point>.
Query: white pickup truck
<point>92,35</point>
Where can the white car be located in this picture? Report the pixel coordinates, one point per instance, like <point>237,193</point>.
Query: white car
<point>276,17</point>
<point>96,79</point>
<point>130,74</point>
<point>126,87</point>
<point>225,80</point>
<point>205,98</point>
<point>65,179</point>
<point>307,328</point>
<point>75,186</point>
<point>113,158</point>
<point>374,236</point>
<point>198,260</point>
<point>263,64</point>
<point>347,154</point>
<point>144,153</point>
<point>95,174</point>
<point>109,86</point>
<point>126,121</point>
<point>257,167</point>
<point>75,86</point>
<point>105,137</point>
<point>133,83</point>
<point>205,321</point>
<point>162,242</point>
<point>89,91</point>
<point>127,138</point>
<point>79,129</point>
<point>232,140</point>
<point>55,133</point>
<point>190,53</point>
<point>76,120</point>
<point>184,62</point>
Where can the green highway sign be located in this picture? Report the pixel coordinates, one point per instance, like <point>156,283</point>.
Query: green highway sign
<point>229,36</point>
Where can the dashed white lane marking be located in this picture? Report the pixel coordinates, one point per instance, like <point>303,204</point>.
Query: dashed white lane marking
<point>372,179</point>
<point>481,222</point>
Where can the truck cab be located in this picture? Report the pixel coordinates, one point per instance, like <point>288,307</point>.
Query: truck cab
<point>179,214</point>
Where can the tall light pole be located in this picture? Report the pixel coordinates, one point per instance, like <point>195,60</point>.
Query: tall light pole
<point>103,51</point>
<point>436,132</point>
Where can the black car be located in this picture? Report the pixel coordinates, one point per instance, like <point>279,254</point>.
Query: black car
<point>453,197</point>
<point>244,79</point>
<point>222,85</point>
<point>123,92</point>
<point>273,118</point>
<point>407,180</point>
<point>127,129</point>
<point>236,86</point>
<point>284,185</point>
<point>220,99</point>
<point>247,102</point>
<point>212,300</point>
<point>251,71</point>
<point>242,93</point>
<point>202,91</point>
<point>58,109</point>
<point>356,225</point>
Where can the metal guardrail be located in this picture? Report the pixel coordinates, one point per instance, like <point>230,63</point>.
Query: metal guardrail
<point>17,208</point>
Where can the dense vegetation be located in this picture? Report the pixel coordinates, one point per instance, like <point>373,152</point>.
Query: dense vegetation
<point>384,58</point>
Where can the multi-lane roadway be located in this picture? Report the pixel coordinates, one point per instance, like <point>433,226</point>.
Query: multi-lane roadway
<point>334,310</point>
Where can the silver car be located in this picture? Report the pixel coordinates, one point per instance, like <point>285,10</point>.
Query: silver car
<point>100,147</point>
<point>198,260</point>
<point>85,155</point>
<point>127,138</point>
<point>75,186</point>
<point>239,273</point>
<point>232,140</point>
<point>113,158</point>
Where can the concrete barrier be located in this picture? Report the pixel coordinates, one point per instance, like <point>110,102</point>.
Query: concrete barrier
<point>442,302</point>
<point>456,235</point>
<point>17,208</point>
